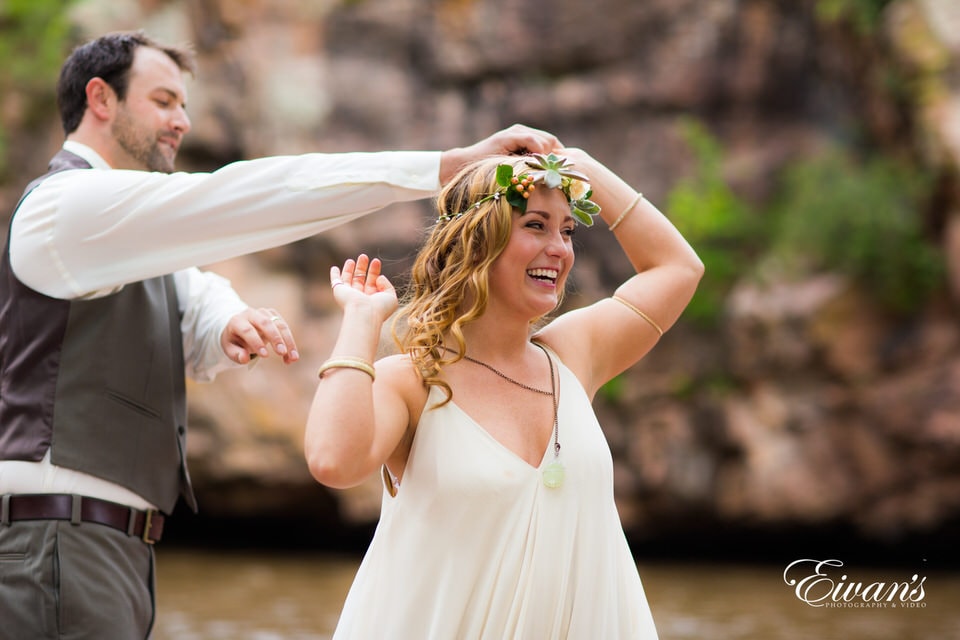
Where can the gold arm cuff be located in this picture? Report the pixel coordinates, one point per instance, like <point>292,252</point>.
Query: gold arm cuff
<point>623,215</point>
<point>348,362</point>
<point>639,313</point>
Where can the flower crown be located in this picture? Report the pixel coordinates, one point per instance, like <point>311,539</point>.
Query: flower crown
<point>554,172</point>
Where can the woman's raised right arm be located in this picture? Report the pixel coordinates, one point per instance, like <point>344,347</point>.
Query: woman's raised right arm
<point>359,416</point>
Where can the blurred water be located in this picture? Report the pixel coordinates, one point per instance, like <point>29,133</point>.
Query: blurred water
<point>249,596</point>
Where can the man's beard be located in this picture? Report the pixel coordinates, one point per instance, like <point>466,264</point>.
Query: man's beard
<point>140,145</point>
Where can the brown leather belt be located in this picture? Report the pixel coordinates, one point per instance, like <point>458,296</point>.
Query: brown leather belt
<point>146,525</point>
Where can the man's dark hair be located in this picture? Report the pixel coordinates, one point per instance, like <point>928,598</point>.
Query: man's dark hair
<point>108,57</point>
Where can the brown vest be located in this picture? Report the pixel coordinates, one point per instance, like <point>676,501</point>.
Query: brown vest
<point>101,381</point>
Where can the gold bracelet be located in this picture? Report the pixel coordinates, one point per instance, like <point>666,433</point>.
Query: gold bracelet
<point>623,215</point>
<point>639,313</point>
<point>348,362</point>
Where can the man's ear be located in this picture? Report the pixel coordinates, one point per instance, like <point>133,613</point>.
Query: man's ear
<point>101,99</point>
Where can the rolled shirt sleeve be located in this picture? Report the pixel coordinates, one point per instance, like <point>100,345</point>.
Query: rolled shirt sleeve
<point>207,302</point>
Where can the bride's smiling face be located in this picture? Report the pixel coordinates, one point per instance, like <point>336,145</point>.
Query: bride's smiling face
<point>529,276</point>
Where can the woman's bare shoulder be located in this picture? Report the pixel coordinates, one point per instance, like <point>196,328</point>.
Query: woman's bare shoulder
<point>400,373</point>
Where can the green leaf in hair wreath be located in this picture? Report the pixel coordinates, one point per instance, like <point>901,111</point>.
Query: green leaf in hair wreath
<point>553,172</point>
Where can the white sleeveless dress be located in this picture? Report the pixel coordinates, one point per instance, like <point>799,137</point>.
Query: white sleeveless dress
<point>474,546</point>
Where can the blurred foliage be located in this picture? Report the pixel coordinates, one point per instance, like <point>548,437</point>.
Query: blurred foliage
<point>835,212</point>
<point>613,390</point>
<point>863,218</point>
<point>863,15</point>
<point>34,36</point>
<point>726,233</point>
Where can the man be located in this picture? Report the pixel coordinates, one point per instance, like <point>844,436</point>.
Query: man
<point>102,312</point>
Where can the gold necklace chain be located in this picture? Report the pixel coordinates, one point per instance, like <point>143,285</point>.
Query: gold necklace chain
<point>553,473</point>
<point>509,379</point>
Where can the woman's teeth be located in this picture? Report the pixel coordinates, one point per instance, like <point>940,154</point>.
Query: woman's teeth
<point>543,274</point>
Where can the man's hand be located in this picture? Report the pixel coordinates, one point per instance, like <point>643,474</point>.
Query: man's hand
<point>248,333</point>
<point>517,139</point>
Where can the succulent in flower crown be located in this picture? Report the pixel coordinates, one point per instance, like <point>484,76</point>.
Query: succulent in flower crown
<point>553,172</point>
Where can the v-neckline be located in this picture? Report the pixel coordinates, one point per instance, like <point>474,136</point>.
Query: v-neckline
<point>548,448</point>
<point>513,454</point>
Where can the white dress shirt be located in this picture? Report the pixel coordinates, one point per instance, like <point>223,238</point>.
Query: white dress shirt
<point>85,233</point>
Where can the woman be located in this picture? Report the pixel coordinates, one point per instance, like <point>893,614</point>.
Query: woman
<point>498,517</point>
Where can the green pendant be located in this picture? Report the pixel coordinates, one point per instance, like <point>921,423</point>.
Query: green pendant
<point>553,474</point>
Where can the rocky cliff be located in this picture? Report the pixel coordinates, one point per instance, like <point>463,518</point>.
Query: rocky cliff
<point>806,408</point>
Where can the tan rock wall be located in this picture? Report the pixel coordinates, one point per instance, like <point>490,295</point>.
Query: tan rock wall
<point>807,407</point>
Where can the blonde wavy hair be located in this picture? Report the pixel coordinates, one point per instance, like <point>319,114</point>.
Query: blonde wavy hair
<point>449,280</point>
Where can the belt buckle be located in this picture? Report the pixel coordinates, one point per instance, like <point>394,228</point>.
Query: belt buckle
<point>147,522</point>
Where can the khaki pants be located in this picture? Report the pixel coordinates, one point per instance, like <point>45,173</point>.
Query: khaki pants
<point>74,582</point>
